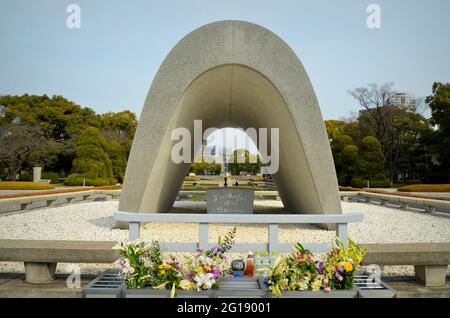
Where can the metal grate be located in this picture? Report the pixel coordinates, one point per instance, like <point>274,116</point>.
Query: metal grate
<point>372,288</point>
<point>111,285</point>
<point>107,285</point>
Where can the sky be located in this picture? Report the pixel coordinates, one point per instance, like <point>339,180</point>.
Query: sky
<point>109,62</point>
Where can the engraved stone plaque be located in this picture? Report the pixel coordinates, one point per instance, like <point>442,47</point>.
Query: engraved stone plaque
<point>230,200</point>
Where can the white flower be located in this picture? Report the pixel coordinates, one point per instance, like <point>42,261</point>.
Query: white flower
<point>146,260</point>
<point>204,281</point>
<point>126,266</point>
<point>315,285</point>
<point>303,285</point>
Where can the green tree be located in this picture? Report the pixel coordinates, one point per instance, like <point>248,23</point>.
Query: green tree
<point>59,120</point>
<point>439,103</point>
<point>203,167</point>
<point>345,154</point>
<point>349,159</point>
<point>18,144</point>
<point>397,128</point>
<point>370,164</point>
<point>119,127</point>
<point>60,123</point>
<point>243,160</point>
<point>57,117</point>
<point>337,146</point>
<point>92,163</point>
<point>118,160</point>
<point>334,128</point>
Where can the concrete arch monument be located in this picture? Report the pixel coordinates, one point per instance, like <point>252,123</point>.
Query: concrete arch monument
<point>232,74</point>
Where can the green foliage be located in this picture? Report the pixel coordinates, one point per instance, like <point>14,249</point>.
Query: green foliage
<point>19,144</point>
<point>25,177</point>
<point>119,127</point>
<point>192,179</point>
<point>57,117</point>
<point>370,162</point>
<point>48,130</point>
<point>200,168</point>
<point>342,262</point>
<point>301,271</point>
<point>118,159</point>
<point>406,137</point>
<point>358,182</point>
<point>140,264</point>
<point>348,160</point>
<point>227,241</point>
<point>439,104</point>
<point>345,154</point>
<point>53,176</point>
<point>92,162</point>
<point>14,185</point>
<point>242,160</point>
<point>75,179</point>
<point>336,128</point>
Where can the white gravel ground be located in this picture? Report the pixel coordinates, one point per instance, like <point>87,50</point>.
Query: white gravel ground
<point>93,221</point>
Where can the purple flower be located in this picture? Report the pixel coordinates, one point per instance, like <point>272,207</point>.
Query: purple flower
<point>216,273</point>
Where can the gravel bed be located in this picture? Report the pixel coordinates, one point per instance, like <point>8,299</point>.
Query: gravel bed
<point>93,221</point>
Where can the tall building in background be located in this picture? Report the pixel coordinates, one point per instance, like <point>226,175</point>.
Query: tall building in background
<point>401,99</point>
<point>405,100</point>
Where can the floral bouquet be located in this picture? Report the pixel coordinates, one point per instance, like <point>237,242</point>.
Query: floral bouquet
<point>139,264</point>
<point>341,264</point>
<point>170,275</point>
<point>142,266</point>
<point>203,270</point>
<point>298,271</point>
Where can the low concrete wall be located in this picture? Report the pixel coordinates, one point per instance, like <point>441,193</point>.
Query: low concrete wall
<point>51,200</point>
<point>427,205</point>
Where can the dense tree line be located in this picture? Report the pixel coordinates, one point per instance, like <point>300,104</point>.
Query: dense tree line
<point>388,144</point>
<point>205,168</point>
<point>383,144</point>
<point>63,137</point>
<point>243,161</point>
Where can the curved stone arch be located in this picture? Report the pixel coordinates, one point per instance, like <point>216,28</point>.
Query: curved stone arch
<point>232,73</point>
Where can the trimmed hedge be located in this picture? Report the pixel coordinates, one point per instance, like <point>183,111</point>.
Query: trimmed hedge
<point>426,188</point>
<point>341,188</point>
<point>19,185</point>
<point>199,186</point>
<point>361,183</point>
<point>25,177</point>
<point>92,163</point>
<point>110,187</point>
<point>52,176</point>
<point>192,179</point>
<point>75,179</point>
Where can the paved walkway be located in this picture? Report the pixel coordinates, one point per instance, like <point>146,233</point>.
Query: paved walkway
<point>14,285</point>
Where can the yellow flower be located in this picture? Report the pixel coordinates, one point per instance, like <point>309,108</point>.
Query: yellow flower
<point>164,266</point>
<point>348,267</point>
<point>162,271</point>
<point>200,270</point>
<point>187,285</point>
